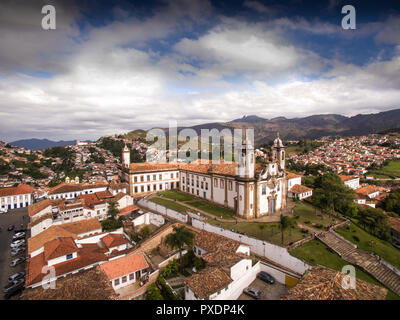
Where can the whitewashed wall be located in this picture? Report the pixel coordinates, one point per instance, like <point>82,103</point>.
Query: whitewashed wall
<point>163,210</point>
<point>273,252</point>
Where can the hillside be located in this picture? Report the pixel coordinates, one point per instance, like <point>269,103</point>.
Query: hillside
<point>39,144</point>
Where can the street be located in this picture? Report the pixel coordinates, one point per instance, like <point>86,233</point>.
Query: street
<point>12,217</point>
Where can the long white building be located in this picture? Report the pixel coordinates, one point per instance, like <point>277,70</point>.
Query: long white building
<point>251,190</point>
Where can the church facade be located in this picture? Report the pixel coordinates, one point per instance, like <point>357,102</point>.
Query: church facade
<point>250,189</point>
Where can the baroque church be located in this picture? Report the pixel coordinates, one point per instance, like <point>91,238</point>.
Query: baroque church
<point>251,189</point>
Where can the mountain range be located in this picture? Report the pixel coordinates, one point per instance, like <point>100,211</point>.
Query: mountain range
<point>39,144</point>
<point>311,127</point>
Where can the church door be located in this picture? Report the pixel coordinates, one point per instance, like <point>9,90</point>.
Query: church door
<point>271,206</point>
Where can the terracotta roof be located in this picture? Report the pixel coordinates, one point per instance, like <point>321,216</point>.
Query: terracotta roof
<point>91,199</point>
<point>87,255</point>
<point>73,187</point>
<point>152,166</point>
<point>208,281</point>
<point>13,191</point>
<point>347,178</point>
<point>291,175</point>
<point>38,241</point>
<point>113,240</point>
<point>117,186</point>
<point>212,242</point>
<point>367,190</point>
<point>82,226</point>
<point>124,265</point>
<point>72,229</point>
<point>59,247</point>
<point>322,283</point>
<point>36,221</point>
<point>394,223</point>
<point>38,206</point>
<point>91,284</point>
<point>128,209</point>
<point>299,189</point>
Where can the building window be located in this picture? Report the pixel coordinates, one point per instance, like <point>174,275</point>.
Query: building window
<point>222,184</point>
<point>136,190</point>
<point>230,185</point>
<point>142,178</point>
<point>135,179</point>
<point>206,185</point>
<point>215,182</point>
<point>69,256</point>
<point>154,177</point>
<point>264,189</point>
<point>172,175</point>
<point>116,282</point>
<point>142,188</point>
<point>132,276</point>
<point>124,279</point>
<point>148,178</point>
<point>160,176</point>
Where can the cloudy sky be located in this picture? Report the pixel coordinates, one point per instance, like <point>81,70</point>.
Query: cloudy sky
<point>111,67</point>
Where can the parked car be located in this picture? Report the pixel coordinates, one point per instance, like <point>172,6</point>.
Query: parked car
<point>19,234</point>
<point>13,284</point>
<point>18,250</point>
<point>17,243</point>
<point>10,227</point>
<point>15,290</point>
<point>253,292</point>
<point>18,238</point>
<point>16,276</point>
<point>266,277</point>
<point>3,210</point>
<point>17,261</point>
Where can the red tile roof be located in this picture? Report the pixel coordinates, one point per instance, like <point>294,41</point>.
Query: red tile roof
<point>13,191</point>
<point>347,178</point>
<point>113,240</point>
<point>123,266</point>
<point>299,189</point>
<point>59,247</point>
<point>128,209</point>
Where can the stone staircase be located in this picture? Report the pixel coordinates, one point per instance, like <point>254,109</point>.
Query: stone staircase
<point>364,260</point>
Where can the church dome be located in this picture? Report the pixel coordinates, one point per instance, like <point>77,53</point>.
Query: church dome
<point>278,141</point>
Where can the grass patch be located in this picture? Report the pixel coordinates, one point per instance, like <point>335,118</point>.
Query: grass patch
<point>198,203</point>
<point>368,242</point>
<point>391,170</point>
<point>264,231</point>
<point>315,252</point>
<point>312,217</point>
<point>169,204</point>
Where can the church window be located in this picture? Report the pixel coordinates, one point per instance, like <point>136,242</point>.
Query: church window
<point>283,155</point>
<point>215,182</point>
<point>230,185</point>
<point>264,189</point>
<point>222,183</point>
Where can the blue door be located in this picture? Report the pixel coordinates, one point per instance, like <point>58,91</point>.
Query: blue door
<point>9,207</point>
<point>271,206</point>
<point>204,195</point>
<point>15,206</point>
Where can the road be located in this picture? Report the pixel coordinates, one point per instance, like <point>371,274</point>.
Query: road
<point>14,217</point>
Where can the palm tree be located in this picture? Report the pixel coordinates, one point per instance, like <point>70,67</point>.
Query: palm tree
<point>179,238</point>
<point>113,209</point>
<point>285,223</point>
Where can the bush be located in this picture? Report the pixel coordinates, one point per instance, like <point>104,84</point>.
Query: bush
<point>110,225</point>
<point>153,293</point>
<point>145,232</point>
<point>135,237</point>
<point>166,291</point>
<point>170,270</point>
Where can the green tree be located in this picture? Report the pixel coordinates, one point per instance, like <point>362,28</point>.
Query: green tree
<point>180,237</point>
<point>153,293</point>
<point>285,223</point>
<point>112,209</point>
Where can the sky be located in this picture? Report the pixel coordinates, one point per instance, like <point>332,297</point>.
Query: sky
<point>110,67</point>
